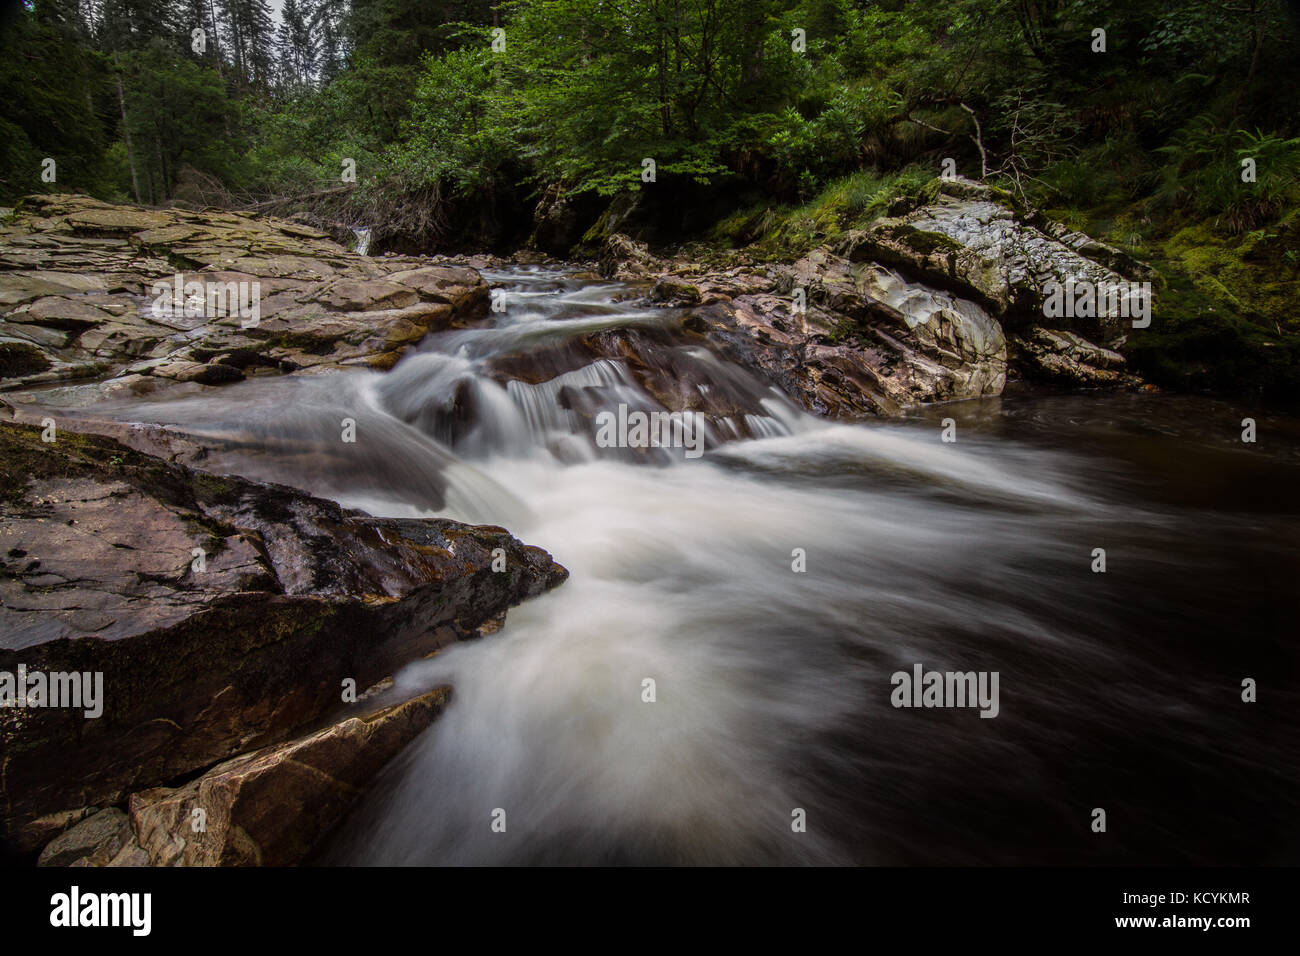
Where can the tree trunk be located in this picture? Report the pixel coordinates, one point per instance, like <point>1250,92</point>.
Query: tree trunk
<point>164,180</point>
<point>126,133</point>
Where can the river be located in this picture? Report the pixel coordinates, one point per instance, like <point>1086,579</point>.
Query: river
<point>772,686</point>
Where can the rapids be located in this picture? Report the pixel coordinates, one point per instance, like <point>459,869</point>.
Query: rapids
<point>1119,690</point>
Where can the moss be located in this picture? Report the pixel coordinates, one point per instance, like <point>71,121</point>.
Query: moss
<point>1251,273</point>
<point>925,242</point>
<point>19,358</point>
<point>1225,316</point>
<point>851,202</point>
<point>214,488</point>
<point>1199,342</point>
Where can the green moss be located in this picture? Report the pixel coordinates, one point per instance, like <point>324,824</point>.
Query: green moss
<point>844,328</point>
<point>1225,316</point>
<point>20,358</point>
<point>1251,273</point>
<point>851,202</point>
<point>927,243</point>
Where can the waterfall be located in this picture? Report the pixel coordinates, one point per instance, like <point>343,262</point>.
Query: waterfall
<point>363,240</point>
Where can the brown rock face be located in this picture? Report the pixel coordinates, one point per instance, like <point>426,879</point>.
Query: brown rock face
<point>271,808</point>
<point>909,310</point>
<point>79,297</point>
<point>92,842</point>
<point>223,614</point>
<point>867,342</point>
<point>843,339</point>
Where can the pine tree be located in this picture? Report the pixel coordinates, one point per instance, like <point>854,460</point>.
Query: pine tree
<point>299,46</point>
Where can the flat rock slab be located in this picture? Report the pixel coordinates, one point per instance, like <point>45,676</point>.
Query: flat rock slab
<point>79,291</point>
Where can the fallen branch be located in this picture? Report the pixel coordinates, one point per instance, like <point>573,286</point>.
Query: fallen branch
<point>305,197</point>
<point>979,142</point>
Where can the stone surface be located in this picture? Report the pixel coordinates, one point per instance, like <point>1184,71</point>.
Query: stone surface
<point>92,842</point>
<point>913,309</point>
<point>976,241</point>
<point>296,595</point>
<point>272,807</point>
<point>869,342</point>
<point>625,258</point>
<point>1064,358</point>
<point>78,297</point>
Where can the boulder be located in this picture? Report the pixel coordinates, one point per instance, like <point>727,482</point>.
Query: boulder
<point>92,842</point>
<point>222,614</point>
<point>974,240</point>
<point>272,807</point>
<point>1060,357</point>
<point>625,258</point>
<point>868,342</point>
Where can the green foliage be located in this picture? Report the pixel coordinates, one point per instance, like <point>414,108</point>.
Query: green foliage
<point>848,202</point>
<point>1204,174</point>
<point>50,104</point>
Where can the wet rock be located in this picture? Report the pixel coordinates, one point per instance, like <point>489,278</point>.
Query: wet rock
<point>911,310</point>
<point>624,258</point>
<point>1065,358</point>
<point>271,808</point>
<point>868,342</point>
<point>676,292</point>
<point>92,842</point>
<point>19,359</point>
<point>214,374</point>
<point>100,573</point>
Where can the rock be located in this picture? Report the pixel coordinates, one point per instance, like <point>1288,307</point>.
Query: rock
<point>675,292</point>
<point>559,218</point>
<point>1064,358</point>
<point>19,359</point>
<point>92,842</point>
<point>868,343</point>
<point>623,258</point>
<point>974,240</point>
<point>44,829</point>
<point>458,287</point>
<point>295,596</point>
<point>79,279</point>
<point>271,808</point>
<point>351,295</point>
<point>214,374</point>
<point>908,311</point>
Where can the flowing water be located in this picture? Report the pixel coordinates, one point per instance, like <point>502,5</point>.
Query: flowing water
<point>772,686</point>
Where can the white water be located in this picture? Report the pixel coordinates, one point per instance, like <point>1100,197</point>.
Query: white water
<point>363,240</point>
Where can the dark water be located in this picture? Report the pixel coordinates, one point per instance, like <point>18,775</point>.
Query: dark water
<point>1118,690</point>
